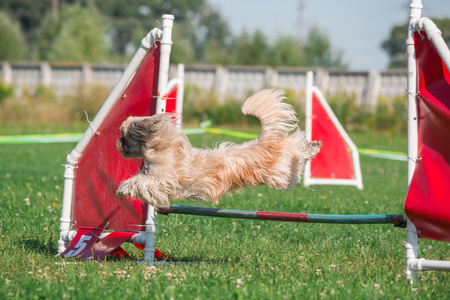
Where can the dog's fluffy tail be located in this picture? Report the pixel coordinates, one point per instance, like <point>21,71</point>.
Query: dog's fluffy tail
<point>276,116</point>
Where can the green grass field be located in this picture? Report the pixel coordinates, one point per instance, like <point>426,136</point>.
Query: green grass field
<point>227,258</point>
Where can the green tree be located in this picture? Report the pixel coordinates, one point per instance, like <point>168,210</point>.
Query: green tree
<point>212,38</point>
<point>128,21</point>
<point>80,36</point>
<point>251,49</point>
<point>200,31</point>
<point>139,16</point>
<point>29,14</point>
<point>395,46</point>
<point>50,28</point>
<point>12,45</point>
<point>319,51</point>
<point>77,29</point>
<point>182,50</point>
<point>287,51</point>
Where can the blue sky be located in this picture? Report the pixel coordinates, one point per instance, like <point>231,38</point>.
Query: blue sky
<point>357,27</point>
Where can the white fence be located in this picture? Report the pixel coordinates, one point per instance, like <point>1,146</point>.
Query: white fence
<point>234,81</point>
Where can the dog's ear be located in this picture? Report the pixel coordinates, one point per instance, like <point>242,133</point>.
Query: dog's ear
<point>144,129</point>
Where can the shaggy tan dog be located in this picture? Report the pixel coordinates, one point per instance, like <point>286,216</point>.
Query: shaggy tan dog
<point>175,170</point>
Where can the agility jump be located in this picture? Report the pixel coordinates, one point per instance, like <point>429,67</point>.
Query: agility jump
<point>91,180</point>
<point>427,202</point>
<point>90,207</point>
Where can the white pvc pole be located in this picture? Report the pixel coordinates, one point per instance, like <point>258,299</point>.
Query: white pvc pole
<point>308,123</point>
<point>180,95</point>
<point>166,44</point>
<point>73,157</point>
<point>65,220</point>
<point>423,264</point>
<point>412,245</point>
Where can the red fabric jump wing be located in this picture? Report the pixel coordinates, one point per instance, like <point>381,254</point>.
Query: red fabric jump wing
<point>101,168</point>
<point>427,204</point>
<point>325,164</point>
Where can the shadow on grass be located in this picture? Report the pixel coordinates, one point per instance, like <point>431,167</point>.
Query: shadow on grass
<point>38,246</point>
<point>202,260</point>
<point>49,248</point>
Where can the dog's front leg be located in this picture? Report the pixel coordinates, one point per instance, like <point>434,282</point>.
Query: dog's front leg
<point>128,188</point>
<point>143,187</point>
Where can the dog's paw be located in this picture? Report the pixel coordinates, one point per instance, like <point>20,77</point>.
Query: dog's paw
<point>142,187</point>
<point>123,191</point>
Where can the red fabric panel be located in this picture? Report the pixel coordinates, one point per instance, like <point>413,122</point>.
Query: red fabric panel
<point>110,243</point>
<point>102,168</point>
<point>427,204</point>
<point>171,102</point>
<point>81,245</point>
<point>334,160</point>
<point>120,253</point>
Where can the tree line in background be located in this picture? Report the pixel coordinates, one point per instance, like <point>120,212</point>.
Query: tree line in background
<point>111,30</point>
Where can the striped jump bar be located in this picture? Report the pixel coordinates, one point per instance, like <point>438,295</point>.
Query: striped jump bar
<point>397,220</point>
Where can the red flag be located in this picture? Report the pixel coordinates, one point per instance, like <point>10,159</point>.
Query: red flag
<point>334,160</point>
<point>101,168</point>
<point>427,204</point>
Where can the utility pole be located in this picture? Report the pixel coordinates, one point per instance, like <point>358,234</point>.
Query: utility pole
<point>300,21</point>
<point>55,8</point>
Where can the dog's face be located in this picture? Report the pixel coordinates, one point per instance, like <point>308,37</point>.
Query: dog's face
<point>136,132</point>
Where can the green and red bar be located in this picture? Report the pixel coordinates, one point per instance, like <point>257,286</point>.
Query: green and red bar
<point>397,220</point>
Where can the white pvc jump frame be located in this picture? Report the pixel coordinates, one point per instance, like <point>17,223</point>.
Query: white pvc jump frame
<point>419,23</point>
<point>163,35</point>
